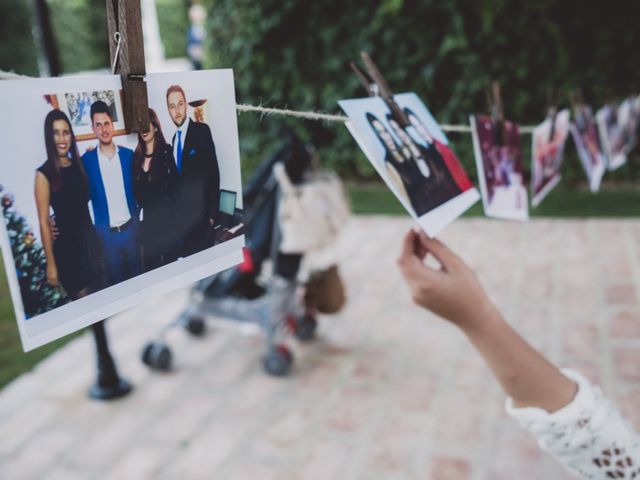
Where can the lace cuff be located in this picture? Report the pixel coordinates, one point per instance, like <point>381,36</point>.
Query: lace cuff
<point>588,436</point>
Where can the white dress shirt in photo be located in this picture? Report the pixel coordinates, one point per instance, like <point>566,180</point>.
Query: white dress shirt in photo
<point>183,137</point>
<point>113,181</point>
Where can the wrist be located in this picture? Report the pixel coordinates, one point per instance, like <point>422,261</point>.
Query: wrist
<point>486,318</point>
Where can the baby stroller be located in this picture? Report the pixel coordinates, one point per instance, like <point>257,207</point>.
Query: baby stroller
<point>277,306</point>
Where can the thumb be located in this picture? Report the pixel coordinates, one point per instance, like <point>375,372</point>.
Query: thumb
<point>440,251</point>
<point>411,258</point>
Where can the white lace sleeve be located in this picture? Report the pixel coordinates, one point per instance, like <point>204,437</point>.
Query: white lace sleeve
<point>588,436</point>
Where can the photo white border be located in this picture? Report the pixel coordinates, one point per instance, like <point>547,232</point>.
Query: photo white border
<point>613,161</point>
<point>536,198</point>
<point>438,218</point>
<point>44,328</point>
<point>594,174</point>
<point>521,216</point>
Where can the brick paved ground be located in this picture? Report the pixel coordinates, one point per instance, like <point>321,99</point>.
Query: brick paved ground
<point>387,391</point>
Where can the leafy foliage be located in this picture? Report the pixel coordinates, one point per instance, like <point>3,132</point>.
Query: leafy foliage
<point>17,46</point>
<point>173,21</point>
<point>80,28</point>
<point>296,54</point>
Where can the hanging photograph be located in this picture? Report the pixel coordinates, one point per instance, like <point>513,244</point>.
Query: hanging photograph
<point>95,223</point>
<point>549,139</point>
<point>498,154</point>
<point>584,131</point>
<point>413,157</point>
<point>616,126</point>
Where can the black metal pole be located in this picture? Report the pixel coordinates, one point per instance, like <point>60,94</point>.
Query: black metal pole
<point>47,38</point>
<point>108,384</point>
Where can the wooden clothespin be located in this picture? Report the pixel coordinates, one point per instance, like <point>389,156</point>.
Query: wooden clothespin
<point>376,86</point>
<point>124,21</point>
<point>552,110</point>
<point>496,110</point>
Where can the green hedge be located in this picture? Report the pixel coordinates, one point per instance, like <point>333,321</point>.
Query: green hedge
<point>174,22</point>
<point>80,29</point>
<point>295,54</point>
<point>17,46</point>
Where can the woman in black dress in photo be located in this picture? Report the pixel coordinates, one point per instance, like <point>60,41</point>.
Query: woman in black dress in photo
<point>443,186</point>
<point>155,184</point>
<point>75,260</point>
<point>401,167</point>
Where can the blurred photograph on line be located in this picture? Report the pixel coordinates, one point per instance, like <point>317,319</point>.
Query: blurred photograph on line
<point>616,126</point>
<point>498,154</point>
<point>413,157</point>
<point>584,131</point>
<point>97,220</point>
<point>549,139</point>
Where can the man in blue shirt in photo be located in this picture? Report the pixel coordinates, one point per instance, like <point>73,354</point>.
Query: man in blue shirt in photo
<point>115,211</point>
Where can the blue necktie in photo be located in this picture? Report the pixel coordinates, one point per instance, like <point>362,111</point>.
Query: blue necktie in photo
<point>179,152</point>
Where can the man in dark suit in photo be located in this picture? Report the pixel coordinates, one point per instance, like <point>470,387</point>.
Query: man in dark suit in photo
<point>197,164</point>
<point>115,211</point>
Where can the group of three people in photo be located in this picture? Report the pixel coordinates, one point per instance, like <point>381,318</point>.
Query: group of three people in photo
<point>148,207</point>
<point>426,171</point>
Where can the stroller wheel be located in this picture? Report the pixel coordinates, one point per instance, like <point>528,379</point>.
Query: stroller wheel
<point>305,328</point>
<point>195,326</point>
<point>277,361</point>
<point>157,356</point>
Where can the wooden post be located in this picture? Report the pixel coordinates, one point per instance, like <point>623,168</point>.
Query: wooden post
<point>124,17</point>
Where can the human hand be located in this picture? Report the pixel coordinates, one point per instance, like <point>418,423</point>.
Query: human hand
<point>451,291</point>
<point>53,228</point>
<point>52,275</point>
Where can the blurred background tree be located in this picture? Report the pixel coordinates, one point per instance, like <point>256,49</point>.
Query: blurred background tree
<point>17,46</point>
<point>296,54</point>
<point>288,53</point>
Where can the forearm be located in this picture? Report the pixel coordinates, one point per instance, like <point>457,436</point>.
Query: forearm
<point>525,375</point>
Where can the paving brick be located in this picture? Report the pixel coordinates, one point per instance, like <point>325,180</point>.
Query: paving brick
<point>325,458</point>
<point>140,463</point>
<point>461,416</point>
<point>621,295</point>
<point>581,340</point>
<point>386,391</point>
<point>444,467</point>
<point>628,401</point>
<point>21,427</point>
<point>38,455</point>
<point>626,363</point>
<point>625,324</point>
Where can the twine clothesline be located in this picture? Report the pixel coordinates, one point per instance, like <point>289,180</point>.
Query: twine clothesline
<point>307,115</point>
<point>318,116</point>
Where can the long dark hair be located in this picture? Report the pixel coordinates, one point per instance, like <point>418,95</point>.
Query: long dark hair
<point>52,164</point>
<point>391,155</point>
<point>158,143</point>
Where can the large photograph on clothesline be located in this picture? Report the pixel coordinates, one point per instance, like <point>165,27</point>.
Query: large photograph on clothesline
<point>548,142</point>
<point>415,160</point>
<point>617,129</point>
<point>95,223</point>
<point>498,154</point>
<point>584,131</point>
